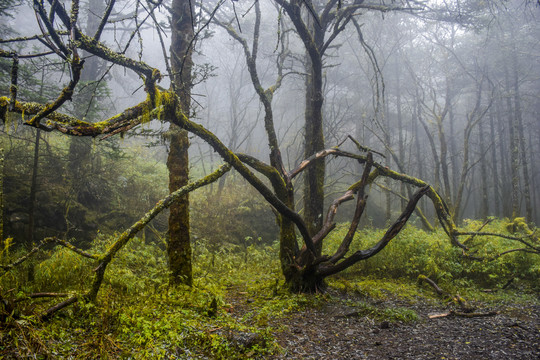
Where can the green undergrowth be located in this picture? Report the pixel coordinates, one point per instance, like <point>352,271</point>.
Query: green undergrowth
<point>239,300</point>
<point>414,252</point>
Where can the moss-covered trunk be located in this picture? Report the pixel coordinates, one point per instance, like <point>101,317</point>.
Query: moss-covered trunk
<point>179,246</point>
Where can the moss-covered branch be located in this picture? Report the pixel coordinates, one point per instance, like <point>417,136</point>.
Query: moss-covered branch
<point>183,121</point>
<point>127,235</point>
<point>70,125</point>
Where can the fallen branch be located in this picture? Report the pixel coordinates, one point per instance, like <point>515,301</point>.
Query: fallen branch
<point>44,242</point>
<point>455,298</point>
<point>463,314</point>
<point>432,283</point>
<point>41,295</point>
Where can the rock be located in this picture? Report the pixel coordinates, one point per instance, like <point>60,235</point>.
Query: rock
<point>244,340</point>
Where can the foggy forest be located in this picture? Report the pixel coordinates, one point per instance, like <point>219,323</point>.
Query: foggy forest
<point>269,179</point>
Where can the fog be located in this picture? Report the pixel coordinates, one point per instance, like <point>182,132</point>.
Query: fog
<point>446,91</point>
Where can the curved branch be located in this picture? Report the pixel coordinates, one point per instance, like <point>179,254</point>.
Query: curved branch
<point>359,210</point>
<point>127,235</point>
<point>328,269</point>
<point>183,121</point>
<point>321,155</point>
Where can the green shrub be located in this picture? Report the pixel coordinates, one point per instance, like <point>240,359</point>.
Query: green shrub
<point>416,252</point>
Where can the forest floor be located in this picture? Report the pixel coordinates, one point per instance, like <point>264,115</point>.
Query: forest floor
<point>351,326</point>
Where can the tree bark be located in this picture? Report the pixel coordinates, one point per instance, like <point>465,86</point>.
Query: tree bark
<point>179,242</point>
<point>314,137</point>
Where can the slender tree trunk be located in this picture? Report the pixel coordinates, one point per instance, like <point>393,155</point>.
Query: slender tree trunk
<point>401,145</point>
<point>505,166</point>
<point>33,190</point>
<point>453,150</point>
<point>388,157</point>
<point>514,147</point>
<point>179,245</point>
<point>417,145</point>
<point>534,185</point>
<point>80,148</point>
<point>444,145</point>
<point>484,205</point>
<point>521,137</point>
<point>494,167</point>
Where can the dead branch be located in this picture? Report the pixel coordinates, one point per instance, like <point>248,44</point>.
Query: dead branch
<point>41,295</point>
<point>434,285</point>
<point>52,310</point>
<point>321,155</point>
<point>455,298</point>
<point>418,211</point>
<point>363,148</point>
<point>535,249</point>
<point>463,314</point>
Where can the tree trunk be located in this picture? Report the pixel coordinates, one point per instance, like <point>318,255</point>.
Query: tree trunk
<point>494,167</point>
<point>521,136</point>
<point>80,148</point>
<point>314,139</point>
<point>179,245</point>
<point>514,148</point>
<point>33,191</point>
<point>401,145</point>
<point>484,205</point>
<point>503,152</point>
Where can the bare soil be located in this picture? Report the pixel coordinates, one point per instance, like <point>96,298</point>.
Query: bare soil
<point>337,331</point>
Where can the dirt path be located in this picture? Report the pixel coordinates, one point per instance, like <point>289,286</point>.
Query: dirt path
<point>325,334</point>
<point>337,331</point>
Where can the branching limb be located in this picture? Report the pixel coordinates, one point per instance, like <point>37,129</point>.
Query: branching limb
<point>363,148</point>
<point>50,312</point>
<point>417,211</point>
<point>73,126</point>
<point>321,155</point>
<point>330,269</point>
<point>183,121</point>
<point>41,295</point>
<point>66,94</point>
<point>359,210</point>
<point>472,236</point>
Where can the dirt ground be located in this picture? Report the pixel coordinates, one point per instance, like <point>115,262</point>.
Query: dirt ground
<point>337,331</point>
